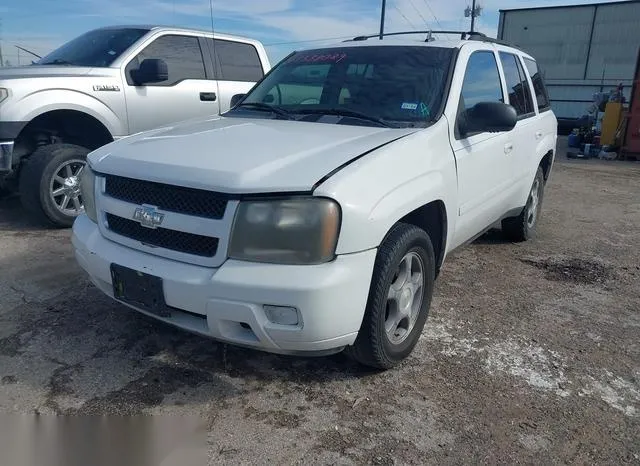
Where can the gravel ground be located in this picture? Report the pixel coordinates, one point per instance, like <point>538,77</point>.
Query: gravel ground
<point>531,353</point>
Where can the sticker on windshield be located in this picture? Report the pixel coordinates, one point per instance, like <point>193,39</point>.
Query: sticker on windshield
<point>424,110</point>
<point>409,106</point>
<point>318,58</point>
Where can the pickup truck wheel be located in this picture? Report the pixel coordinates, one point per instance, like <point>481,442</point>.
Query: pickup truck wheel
<point>523,227</point>
<point>50,183</point>
<point>399,298</point>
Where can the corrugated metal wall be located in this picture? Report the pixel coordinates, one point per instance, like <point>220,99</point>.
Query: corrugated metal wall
<point>576,46</point>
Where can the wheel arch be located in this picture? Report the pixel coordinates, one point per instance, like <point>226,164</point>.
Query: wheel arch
<point>546,162</point>
<point>68,125</point>
<point>432,218</point>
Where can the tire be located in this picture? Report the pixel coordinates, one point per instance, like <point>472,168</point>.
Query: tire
<point>374,346</point>
<point>523,227</point>
<point>40,177</point>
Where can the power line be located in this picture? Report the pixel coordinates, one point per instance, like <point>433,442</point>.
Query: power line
<point>419,14</point>
<point>432,13</point>
<point>402,14</point>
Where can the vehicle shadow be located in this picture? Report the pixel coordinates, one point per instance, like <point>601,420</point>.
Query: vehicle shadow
<point>493,236</point>
<point>15,218</point>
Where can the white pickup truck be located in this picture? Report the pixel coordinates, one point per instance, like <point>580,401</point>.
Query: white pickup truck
<point>103,85</point>
<point>315,215</point>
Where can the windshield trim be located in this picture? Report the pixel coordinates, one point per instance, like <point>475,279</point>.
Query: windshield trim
<point>448,82</point>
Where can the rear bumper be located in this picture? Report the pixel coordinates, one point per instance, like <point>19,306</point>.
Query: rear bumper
<point>228,303</point>
<point>6,156</point>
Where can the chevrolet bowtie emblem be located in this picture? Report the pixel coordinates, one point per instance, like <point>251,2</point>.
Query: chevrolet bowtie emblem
<point>148,216</point>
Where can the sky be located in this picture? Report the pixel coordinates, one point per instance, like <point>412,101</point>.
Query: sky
<point>282,25</point>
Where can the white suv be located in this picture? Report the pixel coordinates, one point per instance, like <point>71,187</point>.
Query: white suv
<point>314,216</point>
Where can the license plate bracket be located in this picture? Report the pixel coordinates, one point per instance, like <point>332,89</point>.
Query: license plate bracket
<point>139,289</point>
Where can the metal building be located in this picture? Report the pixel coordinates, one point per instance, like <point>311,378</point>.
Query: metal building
<point>582,49</point>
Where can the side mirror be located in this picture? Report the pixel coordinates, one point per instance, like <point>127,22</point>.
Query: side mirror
<point>488,117</point>
<point>151,70</point>
<point>236,98</point>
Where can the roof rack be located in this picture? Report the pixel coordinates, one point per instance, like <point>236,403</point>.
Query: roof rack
<point>464,35</point>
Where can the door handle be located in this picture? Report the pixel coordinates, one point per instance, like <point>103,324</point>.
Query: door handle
<point>538,134</point>
<point>508,147</point>
<point>208,96</point>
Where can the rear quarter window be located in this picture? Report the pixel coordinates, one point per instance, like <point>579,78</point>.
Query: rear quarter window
<point>517,85</point>
<point>539,87</point>
<point>238,61</point>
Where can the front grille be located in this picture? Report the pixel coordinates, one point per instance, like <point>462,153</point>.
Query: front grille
<point>188,201</point>
<point>188,243</point>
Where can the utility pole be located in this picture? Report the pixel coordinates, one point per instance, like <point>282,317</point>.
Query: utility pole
<point>473,11</point>
<point>473,14</point>
<point>384,6</point>
<point>1,60</point>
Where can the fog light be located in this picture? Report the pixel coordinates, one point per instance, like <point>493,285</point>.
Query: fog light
<point>282,315</point>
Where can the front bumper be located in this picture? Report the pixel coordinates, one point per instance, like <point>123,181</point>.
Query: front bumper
<point>6,156</point>
<point>227,303</point>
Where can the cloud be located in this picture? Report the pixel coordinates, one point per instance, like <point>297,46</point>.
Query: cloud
<point>241,8</point>
<point>296,23</point>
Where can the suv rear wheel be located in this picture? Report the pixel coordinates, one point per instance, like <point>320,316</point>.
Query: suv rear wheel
<point>399,298</point>
<point>523,227</point>
<point>50,183</point>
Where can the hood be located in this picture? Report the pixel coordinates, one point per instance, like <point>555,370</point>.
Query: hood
<point>237,155</point>
<point>50,71</point>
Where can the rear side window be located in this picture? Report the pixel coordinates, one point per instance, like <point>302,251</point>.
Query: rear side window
<point>517,84</point>
<point>182,55</point>
<point>481,80</point>
<point>538,84</point>
<point>238,61</point>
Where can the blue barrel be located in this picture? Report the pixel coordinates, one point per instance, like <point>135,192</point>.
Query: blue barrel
<point>574,140</point>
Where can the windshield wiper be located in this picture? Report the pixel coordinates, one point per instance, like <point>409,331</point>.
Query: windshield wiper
<point>266,107</point>
<point>57,61</point>
<point>346,113</point>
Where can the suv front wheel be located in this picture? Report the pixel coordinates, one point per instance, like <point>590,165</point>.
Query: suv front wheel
<point>50,183</point>
<point>399,298</point>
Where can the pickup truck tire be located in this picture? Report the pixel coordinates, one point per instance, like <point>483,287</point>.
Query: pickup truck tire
<point>399,298</point>
<point>523,227</point>
<point>49,183</point>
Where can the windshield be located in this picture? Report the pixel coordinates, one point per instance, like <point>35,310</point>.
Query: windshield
<point>98,48</point>
<point>397,86</point>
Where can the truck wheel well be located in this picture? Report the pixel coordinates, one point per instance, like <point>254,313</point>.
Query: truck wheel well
<point>432,218</point>
<point>545,163</point>
<point>69,126</point>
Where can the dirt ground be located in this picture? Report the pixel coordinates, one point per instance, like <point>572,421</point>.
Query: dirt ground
<point>531,353</point>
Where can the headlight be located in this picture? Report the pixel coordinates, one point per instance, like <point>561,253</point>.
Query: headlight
<point>88,191</point>
<point>4,93</point>
<point>288,231</point>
